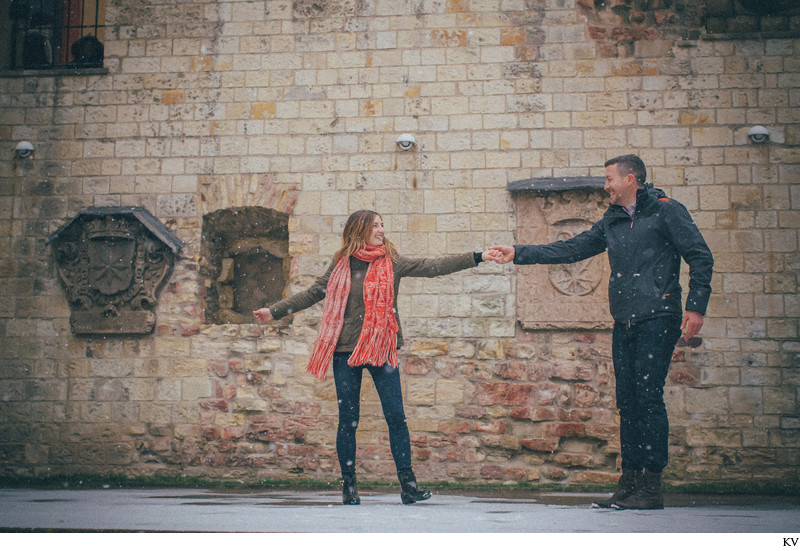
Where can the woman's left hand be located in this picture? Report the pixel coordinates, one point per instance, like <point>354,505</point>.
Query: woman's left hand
<point>491,254</point>
<point>263,314</point>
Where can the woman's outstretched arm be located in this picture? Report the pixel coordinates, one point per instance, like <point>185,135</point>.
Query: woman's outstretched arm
<point>296,303</point>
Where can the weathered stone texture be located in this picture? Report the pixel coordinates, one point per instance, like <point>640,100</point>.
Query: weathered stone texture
<point>295,107</point>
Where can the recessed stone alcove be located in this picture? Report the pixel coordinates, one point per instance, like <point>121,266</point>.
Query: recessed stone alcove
<point>245,262</point>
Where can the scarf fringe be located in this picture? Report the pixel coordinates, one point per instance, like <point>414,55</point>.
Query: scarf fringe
<point>319,363</point>
<point>376,347</point>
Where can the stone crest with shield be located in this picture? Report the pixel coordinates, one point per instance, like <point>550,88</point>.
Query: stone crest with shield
<point>113,262</point>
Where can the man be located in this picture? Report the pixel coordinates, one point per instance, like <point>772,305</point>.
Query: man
<point>646,234</point>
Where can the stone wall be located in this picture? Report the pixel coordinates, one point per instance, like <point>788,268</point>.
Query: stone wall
<point>295,106</point>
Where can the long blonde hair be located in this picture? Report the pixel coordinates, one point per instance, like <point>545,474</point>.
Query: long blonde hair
<point>356,232</point>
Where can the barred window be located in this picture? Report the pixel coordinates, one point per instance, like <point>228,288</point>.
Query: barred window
<point>752,18</point>
<point>55,33</point>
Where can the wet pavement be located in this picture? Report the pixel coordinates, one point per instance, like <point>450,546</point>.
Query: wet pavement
<point>292,510</point>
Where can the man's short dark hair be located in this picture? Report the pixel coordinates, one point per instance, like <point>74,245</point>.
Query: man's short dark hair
<point>630,164</point>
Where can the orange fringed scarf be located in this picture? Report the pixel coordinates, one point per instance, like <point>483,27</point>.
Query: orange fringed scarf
<point>377,343</point>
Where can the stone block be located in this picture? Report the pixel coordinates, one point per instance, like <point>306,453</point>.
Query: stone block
<point>760,376</point>
<point>511,370</point>
<point>548,445</point>
<point>420,392</point>
<point>780,401</point>
<point>461,349</point>
<point>707,400</point>
<point>491,393</point>
<point>746,400</point>
<point>449,392</point>
<point>229,419</point>
<point>188,367</point>
<point>427,348</point>
<point>472,370</point>
<point>195,388</point>
<point>567,429</point>
<point>520,394</point>
<point>490,350</point>
<point>417,366</point>
<point>703,438</point>
<point>247,399</point>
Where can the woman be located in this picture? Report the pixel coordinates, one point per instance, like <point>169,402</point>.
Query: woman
<point>360,330</point>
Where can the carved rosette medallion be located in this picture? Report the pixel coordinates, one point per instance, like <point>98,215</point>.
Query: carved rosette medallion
<point>112,263</point>
<point>580,278</point>
<point>560,296</point>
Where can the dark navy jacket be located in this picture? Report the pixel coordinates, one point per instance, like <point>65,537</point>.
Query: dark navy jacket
<point>645,256</point>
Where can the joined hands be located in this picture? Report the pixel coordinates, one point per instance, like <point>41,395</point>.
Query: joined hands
<point>502,254</point>
<point>491,255</point>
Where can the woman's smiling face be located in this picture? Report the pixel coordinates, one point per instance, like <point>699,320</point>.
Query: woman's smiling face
<point>377,233</point>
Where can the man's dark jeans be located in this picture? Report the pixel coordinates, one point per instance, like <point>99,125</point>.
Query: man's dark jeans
<point>642,353</point>
<point>348,393</point>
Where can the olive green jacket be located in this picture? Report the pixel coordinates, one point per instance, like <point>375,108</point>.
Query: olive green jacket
<point>354,311</point>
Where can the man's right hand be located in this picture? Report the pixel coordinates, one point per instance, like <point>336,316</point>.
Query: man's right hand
<point>506,253</point>
<point>692,322</point>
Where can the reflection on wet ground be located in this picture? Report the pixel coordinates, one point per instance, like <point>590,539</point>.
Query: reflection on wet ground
<point>325,496</point>
<point>293,509</point>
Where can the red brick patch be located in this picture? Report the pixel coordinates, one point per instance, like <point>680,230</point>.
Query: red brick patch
<point>568,429</point>
<point>418,366</point>
<point>683,377</point>
<point>492,471</point>
<point>217,405</point>
<point>541,444</point>
<point>491,393</point>
<point>210,433</point>
<point>519,394</point>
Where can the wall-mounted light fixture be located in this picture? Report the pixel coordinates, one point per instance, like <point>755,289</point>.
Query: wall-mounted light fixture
<point>23,150</point>
<point>406,141</point>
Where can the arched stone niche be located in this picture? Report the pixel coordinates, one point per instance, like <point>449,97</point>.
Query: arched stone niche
<point>244,262</point>
<point>113,263</point>
<point>560,296</point>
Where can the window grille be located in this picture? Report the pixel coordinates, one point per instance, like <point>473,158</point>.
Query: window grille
<point>56,33</point>
<point>752,18</point>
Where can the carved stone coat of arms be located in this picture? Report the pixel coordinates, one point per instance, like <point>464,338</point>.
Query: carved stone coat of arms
<point>113,262</point>
<point>561,296</point>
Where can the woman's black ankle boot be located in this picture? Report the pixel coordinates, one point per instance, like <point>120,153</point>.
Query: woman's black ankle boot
<point>410,493</point>
<point>349,490</point>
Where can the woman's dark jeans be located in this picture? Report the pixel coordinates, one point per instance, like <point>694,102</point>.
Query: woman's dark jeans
<point>642,353</point>
<point>348,393</point>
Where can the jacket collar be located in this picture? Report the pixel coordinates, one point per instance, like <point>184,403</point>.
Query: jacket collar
<point>646,200</point>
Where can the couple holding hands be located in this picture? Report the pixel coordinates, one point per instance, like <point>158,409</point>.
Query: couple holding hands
<point>645,234</point>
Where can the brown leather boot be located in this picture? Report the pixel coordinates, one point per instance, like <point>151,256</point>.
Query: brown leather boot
<point>647,496</point>
<point>628,483</point>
